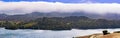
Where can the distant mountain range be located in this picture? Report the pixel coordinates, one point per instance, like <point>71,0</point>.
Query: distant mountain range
<point>35,15</point>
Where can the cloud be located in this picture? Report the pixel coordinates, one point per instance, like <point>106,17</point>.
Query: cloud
<point>28,7</point>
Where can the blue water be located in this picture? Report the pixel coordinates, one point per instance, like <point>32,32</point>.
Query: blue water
<point>27,33</point>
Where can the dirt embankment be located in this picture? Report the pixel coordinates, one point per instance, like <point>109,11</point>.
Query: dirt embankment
<point>111,35</point>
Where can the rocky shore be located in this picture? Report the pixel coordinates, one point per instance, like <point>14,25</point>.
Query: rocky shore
<point>105,34</point>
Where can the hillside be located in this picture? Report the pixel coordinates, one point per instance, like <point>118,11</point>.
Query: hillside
<point>112,35</point>
<point>62,23</point>
<point>35,15</point>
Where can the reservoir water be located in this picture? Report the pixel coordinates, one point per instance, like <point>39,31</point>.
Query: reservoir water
<point>27,33</point>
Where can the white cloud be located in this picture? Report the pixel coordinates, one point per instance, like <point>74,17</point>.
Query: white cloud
<point>28,7</point>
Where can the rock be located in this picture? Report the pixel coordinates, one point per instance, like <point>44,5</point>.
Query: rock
<point>105,32</point>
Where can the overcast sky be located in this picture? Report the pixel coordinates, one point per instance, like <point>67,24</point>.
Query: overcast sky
<point>68,1</point>
<point>28,6</point>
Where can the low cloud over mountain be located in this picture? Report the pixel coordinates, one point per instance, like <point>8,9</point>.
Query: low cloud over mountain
<point>29,7</point>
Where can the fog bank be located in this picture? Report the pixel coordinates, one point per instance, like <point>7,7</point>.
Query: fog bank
<point>28,7</point>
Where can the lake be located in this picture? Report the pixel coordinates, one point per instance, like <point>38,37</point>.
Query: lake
<point>27,33</point>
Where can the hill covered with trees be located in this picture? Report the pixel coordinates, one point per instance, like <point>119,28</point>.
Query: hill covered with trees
<point>62,23</point>
<point>35,15</point>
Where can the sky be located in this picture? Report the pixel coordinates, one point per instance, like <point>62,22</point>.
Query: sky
<point>28,6</point>
<point>68,1</point>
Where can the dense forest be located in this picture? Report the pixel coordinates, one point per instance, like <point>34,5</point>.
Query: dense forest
<point>62,23</point>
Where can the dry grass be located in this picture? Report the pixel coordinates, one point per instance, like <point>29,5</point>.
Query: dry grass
<point>113,35</point>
